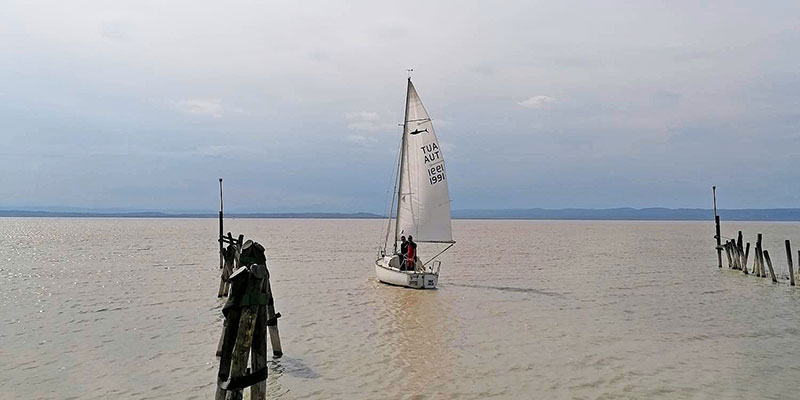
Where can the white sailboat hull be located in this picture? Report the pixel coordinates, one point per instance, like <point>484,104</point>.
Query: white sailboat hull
<point>387,273</point>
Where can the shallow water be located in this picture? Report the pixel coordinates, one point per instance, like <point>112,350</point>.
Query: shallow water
<point>127,308</point>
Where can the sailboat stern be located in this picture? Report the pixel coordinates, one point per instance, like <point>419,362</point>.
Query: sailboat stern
<point>387,272</point>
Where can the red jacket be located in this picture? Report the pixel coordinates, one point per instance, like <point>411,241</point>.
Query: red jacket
<point>412,252</point>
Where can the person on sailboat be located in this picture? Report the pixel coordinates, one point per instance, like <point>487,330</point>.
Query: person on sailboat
<point>403,251</point>
<point>411,254</point>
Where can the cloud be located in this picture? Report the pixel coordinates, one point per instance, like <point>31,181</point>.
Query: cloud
<point>209,107</point>
<point>537,102</point>
<point>366,121</point>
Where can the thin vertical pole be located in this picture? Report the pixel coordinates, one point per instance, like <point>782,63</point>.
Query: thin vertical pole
<point>789,260</point>
<point>716,221</point>
<point>402,165</point>
<point>221,249</point>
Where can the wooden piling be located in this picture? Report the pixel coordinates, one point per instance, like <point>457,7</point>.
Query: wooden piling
<point>258,354</point>
<point>746,254</point>
<point>229,331</point>
<point>244,335</point>
<point>272,323</point>
<point>227,270</point>
<point>728,253</point>
<point>737,264</point>
<point>759,258</point>
<point>769,265</point>
<point>740,251</point>
<point>789,261</point>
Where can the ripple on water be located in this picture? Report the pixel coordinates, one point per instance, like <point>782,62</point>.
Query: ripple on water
<point>105,308</point>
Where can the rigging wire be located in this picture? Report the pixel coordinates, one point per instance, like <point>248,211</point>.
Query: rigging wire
<point>394,192</point>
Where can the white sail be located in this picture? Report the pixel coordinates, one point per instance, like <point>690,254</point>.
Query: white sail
<point>424,209</point>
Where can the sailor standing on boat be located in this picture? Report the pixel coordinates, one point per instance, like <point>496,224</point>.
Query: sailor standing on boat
<point>411,255</point>
<point>403,251</point>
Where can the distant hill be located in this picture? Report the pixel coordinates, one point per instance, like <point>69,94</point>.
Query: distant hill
<point>655,214</point>
<point>644,214</point>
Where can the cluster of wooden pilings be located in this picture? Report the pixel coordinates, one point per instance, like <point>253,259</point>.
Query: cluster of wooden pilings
<point>738,254</point>
<point>249,316</point>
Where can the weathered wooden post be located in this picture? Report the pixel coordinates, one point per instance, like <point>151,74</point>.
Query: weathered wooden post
<point>272,323</point>
<point>229,256</point>
<point>769,264</point>
<point>232,313</point>
<point>789,261</point>
<point>740,251</point>
<point>240,335</point>
<point>728,253</point>
<point>258,354</point>
<point>737,257</point>
<point>759,259</point>
<point>746,254</point>
<point>716,222</point>
<point>244,335</point>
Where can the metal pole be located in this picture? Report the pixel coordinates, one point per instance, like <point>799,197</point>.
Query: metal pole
<point>221,249</point>
<point>718,236</point>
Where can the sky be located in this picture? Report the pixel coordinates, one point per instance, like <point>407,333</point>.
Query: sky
<point>145,104</point>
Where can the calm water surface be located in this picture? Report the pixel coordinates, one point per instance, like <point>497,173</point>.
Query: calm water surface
<point>127,308</point>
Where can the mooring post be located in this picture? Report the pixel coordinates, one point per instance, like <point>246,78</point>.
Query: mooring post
<point>740,250</point>
<point>759,259</point>
<point>231,382</point>
<point>230,265</point>
<point>728,253</point>
<point>229,331</point>
<point>746,254</point>
<point>769,265</point>
<point>789,261</point>
<point>244,336</point>
<point>717,236</point>
<point>258,354</point>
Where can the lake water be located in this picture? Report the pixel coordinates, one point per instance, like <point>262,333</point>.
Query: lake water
<point>127,308</point>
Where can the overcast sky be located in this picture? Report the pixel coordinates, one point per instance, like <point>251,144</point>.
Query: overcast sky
<point>144,104</point>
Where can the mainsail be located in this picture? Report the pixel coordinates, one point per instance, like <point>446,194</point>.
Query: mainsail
<point>424,200</point>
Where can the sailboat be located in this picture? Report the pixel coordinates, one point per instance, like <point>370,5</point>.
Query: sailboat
<point>423,202</point>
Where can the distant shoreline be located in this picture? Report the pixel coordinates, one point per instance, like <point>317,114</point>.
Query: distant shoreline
<point>611,214</point>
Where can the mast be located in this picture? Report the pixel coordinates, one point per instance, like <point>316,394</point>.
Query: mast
<point>402,164</point>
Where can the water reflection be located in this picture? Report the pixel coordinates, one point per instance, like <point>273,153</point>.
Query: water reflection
<point>419,331</point>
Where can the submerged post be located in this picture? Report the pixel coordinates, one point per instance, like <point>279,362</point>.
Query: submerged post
<point>759,259</point>
<point>728,250</point>
<point>716,221</point>
<point>789,260</point>
<point>769,265</point>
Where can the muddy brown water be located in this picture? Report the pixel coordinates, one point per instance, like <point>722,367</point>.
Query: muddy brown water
<point>127,308</point>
